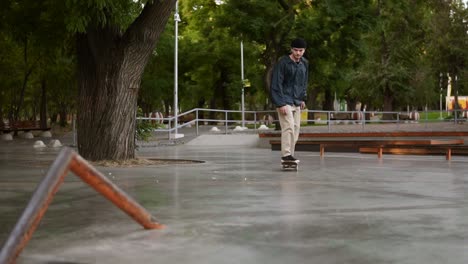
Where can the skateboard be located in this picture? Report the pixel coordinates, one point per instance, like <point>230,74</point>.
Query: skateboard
<point>294,165</point>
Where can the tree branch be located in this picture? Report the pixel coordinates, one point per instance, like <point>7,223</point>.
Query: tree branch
<point>284,5</point>
<point>151,22</point>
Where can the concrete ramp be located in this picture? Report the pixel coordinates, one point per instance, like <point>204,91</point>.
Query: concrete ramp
<point>225,140</point>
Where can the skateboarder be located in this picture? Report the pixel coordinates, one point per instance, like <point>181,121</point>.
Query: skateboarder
<point>288,93</point>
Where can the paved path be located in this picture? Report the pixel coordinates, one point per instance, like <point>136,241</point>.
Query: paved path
<point>239,207</point>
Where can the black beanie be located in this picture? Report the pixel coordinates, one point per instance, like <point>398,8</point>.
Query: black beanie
<point>299,43</point>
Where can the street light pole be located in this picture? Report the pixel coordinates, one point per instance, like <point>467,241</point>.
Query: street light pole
<point>440,95</point>
<point>176,69</point>
<point>242,78</point>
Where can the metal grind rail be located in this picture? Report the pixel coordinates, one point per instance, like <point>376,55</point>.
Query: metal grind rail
<point>68,160</point>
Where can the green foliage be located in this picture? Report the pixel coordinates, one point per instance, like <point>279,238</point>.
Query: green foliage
<point>446,47</point>
<point>10,68</point>
<point>393,71</point>
<point>102,13</point>
<point>144,128</point>
<point>157,86</point>
<point>269,24</point>
<point>210,58</point>
<point>33,42</point>
<point>333,30</point>
<point>372,51</point>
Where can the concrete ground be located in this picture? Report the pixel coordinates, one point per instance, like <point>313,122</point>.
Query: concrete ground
<point>240,207</point>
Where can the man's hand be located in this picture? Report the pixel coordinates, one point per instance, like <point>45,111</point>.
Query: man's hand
<point>284,109</point>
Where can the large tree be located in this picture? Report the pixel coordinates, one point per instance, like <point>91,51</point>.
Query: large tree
<point>111,59</point>
<point>393,48</point>
<point>333,29</point>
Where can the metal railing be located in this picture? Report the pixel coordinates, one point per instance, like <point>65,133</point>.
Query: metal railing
<point>255,119</point>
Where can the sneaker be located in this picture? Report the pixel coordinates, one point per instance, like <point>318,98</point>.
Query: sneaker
<point>289,158</point>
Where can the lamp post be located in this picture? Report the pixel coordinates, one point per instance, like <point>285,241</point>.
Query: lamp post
<point>242,78</point>
<point>176,73</point>
<point>440,95</point>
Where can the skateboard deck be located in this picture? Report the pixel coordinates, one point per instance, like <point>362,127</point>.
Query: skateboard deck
<point>294,165</point>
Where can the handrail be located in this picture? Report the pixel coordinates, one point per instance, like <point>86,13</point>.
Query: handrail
<point>68,160</point>
<point>329,121</point>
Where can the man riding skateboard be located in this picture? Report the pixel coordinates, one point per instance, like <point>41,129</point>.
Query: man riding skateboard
<point>288,93</point>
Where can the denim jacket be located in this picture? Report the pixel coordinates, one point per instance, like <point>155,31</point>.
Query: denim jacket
<point>289,82</point>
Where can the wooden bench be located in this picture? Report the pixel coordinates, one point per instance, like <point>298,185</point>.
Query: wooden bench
<point>321,144</point>
<point>25,126</point>
<point>445,145</point>
<point>377,146</point>
<point>381,144</point>
<point>447,150</point>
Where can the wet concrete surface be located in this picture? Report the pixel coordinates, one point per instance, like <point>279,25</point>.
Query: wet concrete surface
<point>240,207</point>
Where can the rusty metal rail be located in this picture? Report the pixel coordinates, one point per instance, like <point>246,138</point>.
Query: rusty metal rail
<point>68,160</point>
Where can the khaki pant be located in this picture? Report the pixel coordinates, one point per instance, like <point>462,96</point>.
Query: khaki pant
<point>290,125</point>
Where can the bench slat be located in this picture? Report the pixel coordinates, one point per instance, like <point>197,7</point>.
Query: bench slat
<point>377,142</point>
<point>448,150</point>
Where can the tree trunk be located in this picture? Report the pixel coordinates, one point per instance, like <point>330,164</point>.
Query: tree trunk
<point>201,104</point>
<point>110,66</point>
<point>53,118</point>
<point>384,60</point>
<point>63,115</point>
<point>43,107</point>
<point>27,73</point>
<point>167,107</point>
<point>388,104</point>
<point>220,86</point>
<point>312,102</point>
<point>329,99</point>
<point>107,106</point>
<point>211,114</point>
